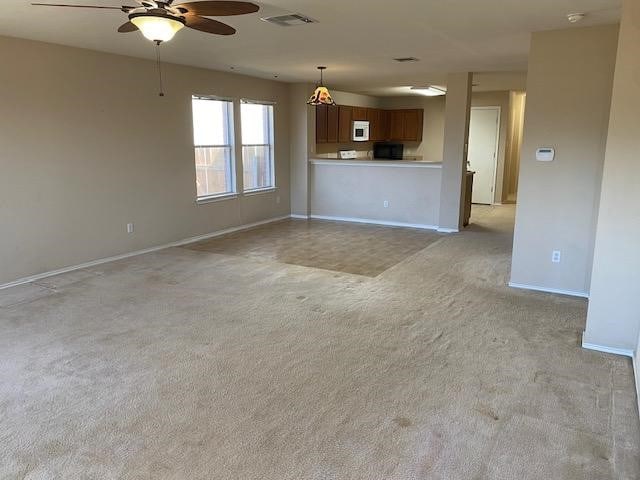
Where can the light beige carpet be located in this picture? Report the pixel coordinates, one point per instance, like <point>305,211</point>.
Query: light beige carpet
<point>193,365</point>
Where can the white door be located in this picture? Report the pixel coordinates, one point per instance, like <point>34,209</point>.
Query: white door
<point>484,131</point>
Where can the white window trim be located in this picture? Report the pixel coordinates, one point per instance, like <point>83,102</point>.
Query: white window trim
<point>257,102</point>
<point>272,147</point>
<point>259,191</point>
<point>217,198</point>
<point>231,128</point>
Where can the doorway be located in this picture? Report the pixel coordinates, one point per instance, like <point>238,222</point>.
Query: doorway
<point>484,139</point>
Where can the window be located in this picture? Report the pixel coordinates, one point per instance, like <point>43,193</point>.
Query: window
<point>257,146</point>
<point>213,142</point>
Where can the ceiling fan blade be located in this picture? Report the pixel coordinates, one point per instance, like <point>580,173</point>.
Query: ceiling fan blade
<point>217,9</point>
<point>208,25</point>
<point>123,8</point>
<point>127,27</point>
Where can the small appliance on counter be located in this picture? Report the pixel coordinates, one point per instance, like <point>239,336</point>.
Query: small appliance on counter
<point>347,154</point>
<point>360,131</point>
<point>388,151</point>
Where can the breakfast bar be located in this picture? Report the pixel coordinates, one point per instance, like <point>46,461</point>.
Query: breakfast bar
<point>390,192</point>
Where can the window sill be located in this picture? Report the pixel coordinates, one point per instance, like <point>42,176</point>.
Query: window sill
<point>216,198</point>
<point>259,191</point>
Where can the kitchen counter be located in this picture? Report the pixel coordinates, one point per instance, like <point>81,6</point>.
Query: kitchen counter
<point>369,156</point>
<point>388,192</point>
<point>369,162</point>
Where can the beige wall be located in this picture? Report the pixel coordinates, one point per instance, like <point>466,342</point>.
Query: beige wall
<point>302,136</point>
<point>359,192</point>
<point>454,154</point>
<point>614,319</point>
<point>88,146</point>
<point>568,100</point>
<point>515,129</point>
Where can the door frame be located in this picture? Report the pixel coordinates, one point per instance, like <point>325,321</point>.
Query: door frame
<point>497,151</point>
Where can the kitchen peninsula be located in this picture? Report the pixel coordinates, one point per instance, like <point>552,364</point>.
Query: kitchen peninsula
<point>389,192</point>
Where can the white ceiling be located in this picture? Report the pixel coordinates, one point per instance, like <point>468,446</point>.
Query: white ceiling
<point>356,39</point>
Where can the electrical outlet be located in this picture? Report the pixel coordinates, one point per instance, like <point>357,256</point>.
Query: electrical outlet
<point>278,199</point>
<point>386,204</point>
<point>129,227</point>
<point>556,256</point>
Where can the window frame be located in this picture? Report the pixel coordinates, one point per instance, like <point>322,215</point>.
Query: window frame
<point>231,146</point>
<point>270,145</point>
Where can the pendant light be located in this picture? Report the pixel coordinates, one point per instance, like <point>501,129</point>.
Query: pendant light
<point>321,95</point>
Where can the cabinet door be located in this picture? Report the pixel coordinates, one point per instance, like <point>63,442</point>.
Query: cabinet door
<point>332,124</point>
<point>385,125</point>
<point>412,125</point>
<point>396,120</point>
<point>321,123</point>
<point>373,116</point>
<point>359,113</point>
<point>344,124</point>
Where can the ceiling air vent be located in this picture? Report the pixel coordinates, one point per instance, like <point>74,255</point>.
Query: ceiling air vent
<point>406,59</point>
<point>290,20</point>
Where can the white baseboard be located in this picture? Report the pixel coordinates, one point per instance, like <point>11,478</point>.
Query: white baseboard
<point>549,290</point>
<point>625,352</point>
<point>179,243</point>
<point>636,374</point>
<point>375,222</point>
<point>604,349</point>
<point>301,217</point>
<point>447,230</point>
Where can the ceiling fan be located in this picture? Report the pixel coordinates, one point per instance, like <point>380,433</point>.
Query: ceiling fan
<point>159,20</point>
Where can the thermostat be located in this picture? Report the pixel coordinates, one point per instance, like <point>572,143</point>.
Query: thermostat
<point>545,154</point>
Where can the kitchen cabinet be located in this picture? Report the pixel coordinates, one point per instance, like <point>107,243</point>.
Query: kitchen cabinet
<point>406,125</point>
<point>344,123</point>
<point>332,124</point>
<point>396,125</point>
<point>385,125</point>
<point>413,120</point>
<point>327,123</point>
<point>374,116</point>
<point>359,113</point>
<point>322,114</point>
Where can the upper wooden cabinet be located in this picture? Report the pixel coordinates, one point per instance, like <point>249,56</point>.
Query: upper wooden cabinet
<point>333,124</point>
<point>344,123</point>
<point>327,124</point>
<point>359,113</point>
<point>406,125</point>
<point>385,125</point>
<point>413,120</point>
<point>396,125</point>
<point>321,123</point>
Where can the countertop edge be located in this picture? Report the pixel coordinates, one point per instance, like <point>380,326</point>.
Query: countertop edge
<point>376,163</point>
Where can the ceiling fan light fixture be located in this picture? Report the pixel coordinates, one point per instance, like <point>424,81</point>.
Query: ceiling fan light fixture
<point>157,27</point>
<point>321,95</point>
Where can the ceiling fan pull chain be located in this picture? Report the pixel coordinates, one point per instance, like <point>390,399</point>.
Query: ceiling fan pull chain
<point>159,63</point>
